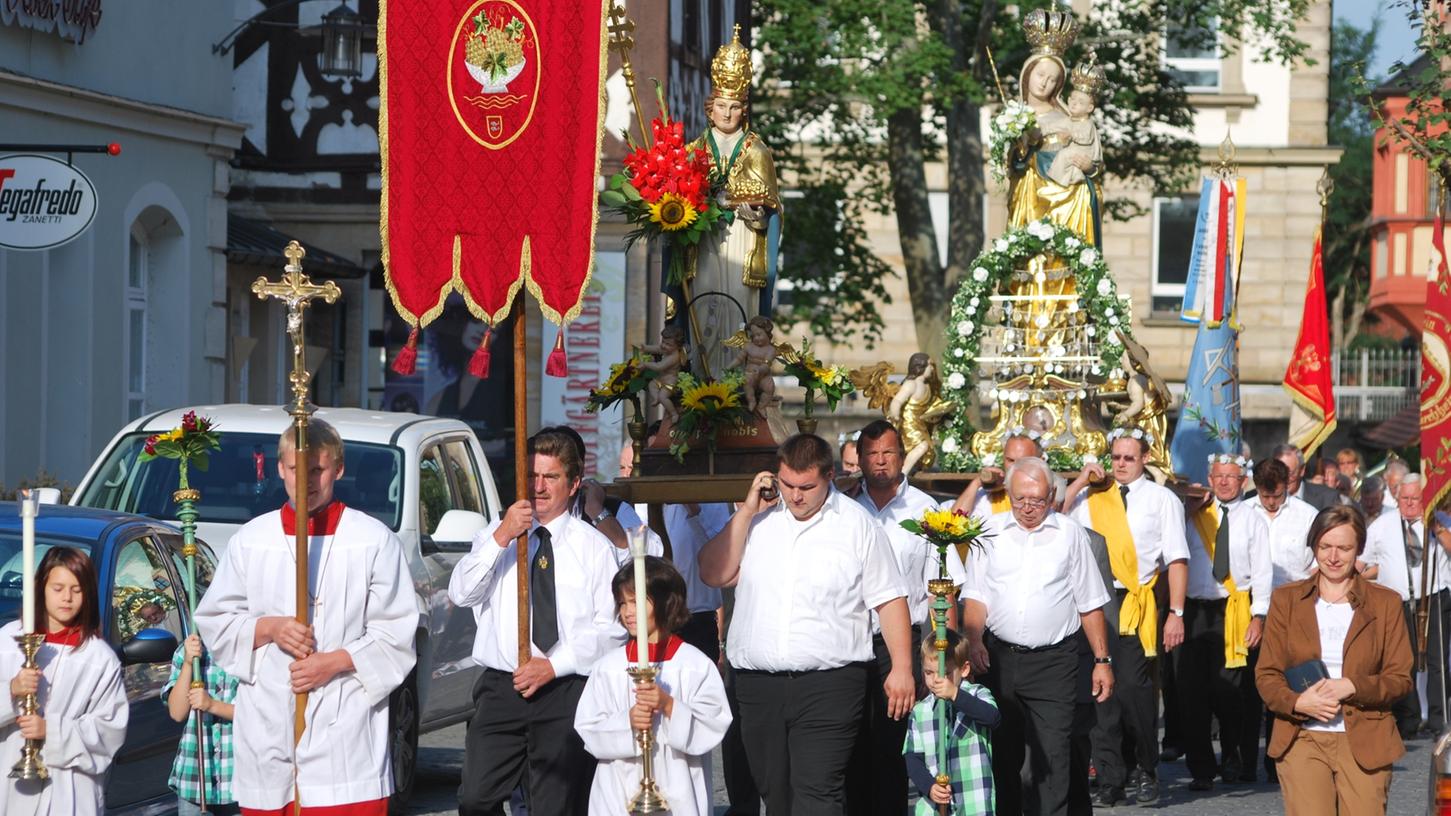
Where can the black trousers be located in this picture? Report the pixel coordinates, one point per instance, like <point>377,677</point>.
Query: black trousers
<point>701,632</point>
<point>877,783</point>
<point>1130,716</point>
<point>1437,629</point>
<point>1208,689</point>
<point>1037,693</point>
<point>799,729</point>
<point>1080,798</point>
<point>513,741</point>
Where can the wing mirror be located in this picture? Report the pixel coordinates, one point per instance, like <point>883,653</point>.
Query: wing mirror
<point>459,526</point>
<point>149,646</point>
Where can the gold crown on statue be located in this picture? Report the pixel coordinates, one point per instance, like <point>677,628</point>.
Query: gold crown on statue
<point>730,71</point>
<point>1089,78</point>
<point>1050,32</point>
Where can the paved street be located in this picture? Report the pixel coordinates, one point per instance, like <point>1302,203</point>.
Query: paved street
<point>441,759</point>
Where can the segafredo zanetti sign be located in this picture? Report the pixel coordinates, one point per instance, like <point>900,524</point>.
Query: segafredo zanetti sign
<point>44,202</point>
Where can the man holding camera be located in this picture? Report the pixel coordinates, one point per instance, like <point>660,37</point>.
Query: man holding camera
<point>808,565</point>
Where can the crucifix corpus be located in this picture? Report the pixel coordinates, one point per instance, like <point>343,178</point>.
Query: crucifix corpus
<point>297,292</point>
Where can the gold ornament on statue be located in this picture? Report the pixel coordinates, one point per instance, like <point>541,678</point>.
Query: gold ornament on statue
<point>1089,78</point>
<point>1050,32</point>
<point>730,71</point>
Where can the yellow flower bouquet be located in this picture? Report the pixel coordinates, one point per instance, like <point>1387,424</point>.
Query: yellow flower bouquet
<point>833,382</point>
<point>626,382</point>
<point>947,528</point>
<point>705,405</point>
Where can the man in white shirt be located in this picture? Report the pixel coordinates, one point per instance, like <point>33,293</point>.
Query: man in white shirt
<point>522,731</point>
<point>1143,524</point>
<point>808,565</point>
<point>878,780</point>
<point>1030,587</point>
<point>1230,580</point>
<point>1288,520</point>
<point>1396,545</point>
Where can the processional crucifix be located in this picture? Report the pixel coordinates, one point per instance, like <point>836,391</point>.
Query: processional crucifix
<point>297,292</point>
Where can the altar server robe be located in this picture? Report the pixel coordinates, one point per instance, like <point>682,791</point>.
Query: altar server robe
<point>83,700</point>
<point>363,603</point>
<point>683,741</point>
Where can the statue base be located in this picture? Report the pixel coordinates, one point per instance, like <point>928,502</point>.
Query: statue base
<point>746,448</point>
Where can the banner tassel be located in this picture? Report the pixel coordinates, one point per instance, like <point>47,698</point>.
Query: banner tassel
<point>558,363</point>
<point>479,363</point>
<point>407,360</point>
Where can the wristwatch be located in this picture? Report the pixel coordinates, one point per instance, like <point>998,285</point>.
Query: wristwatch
<point>1103,661</point>
<point>604,514</point>
<point>1178,611</point>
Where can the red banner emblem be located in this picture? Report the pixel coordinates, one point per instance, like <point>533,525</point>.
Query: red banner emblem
<point>493,72</point>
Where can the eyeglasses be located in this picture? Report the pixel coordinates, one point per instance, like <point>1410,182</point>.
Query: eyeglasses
<point>1031,503</point>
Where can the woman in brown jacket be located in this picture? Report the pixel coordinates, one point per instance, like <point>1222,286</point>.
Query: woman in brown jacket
<point>1335,741</point>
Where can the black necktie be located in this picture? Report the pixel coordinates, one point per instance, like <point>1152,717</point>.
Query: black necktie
<point>545,623</point>
<point>1221,546</point>
<point>1123,490</point>
<point>1414,550</point>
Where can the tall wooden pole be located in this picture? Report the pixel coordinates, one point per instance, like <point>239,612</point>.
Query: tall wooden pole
<point>297,292</point>
<point>521,463</point>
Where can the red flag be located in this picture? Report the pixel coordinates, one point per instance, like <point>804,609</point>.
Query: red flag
<point>1308,377</point>
<point>489,129</point>
<point>1436,375</point>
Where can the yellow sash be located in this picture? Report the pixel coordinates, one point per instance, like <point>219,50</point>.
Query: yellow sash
<point>999,500</point>
<point>1140,610</point>
<point>1236,609</point>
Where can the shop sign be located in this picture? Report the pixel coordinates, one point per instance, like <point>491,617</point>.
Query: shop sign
<point>44,202</point>
<point>70,19</point>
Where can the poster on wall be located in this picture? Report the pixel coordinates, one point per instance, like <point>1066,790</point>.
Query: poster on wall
<point>44,202</point>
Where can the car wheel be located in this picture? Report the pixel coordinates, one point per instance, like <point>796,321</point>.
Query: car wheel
<point>403,744</point>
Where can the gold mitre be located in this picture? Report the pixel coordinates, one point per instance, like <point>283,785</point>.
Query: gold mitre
<point>730,71</point>
<point>1089,78</point>
<point>1050,32</point>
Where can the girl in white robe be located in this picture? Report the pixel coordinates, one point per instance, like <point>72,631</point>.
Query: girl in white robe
<point>83,708</point>
<point>686,703</point>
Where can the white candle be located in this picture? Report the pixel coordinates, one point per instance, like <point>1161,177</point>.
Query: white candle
<point>642,603</point>
<point>29,506</point>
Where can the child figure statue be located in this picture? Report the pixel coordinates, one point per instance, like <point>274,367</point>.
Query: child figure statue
<point>1080,154</point>
<point>754,359</point>
<point>667,368</point>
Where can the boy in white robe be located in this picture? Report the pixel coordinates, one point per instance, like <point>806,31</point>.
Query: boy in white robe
<point>686,704</point>
<point>358,649</point>
<point>83,708</point>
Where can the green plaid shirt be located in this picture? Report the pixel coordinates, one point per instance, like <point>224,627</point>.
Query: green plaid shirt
<point>184,772</point>
<point>969,754</point>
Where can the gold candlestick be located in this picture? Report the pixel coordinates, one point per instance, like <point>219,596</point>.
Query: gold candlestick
<point>30,766</point>
<point>649,799</point>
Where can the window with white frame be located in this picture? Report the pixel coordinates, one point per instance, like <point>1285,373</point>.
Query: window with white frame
<point>1173,239</point>
<point>138,268</point>
<point>1191,54</point>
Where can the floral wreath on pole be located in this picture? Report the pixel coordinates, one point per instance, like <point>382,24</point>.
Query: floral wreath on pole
<point>1098,297</point>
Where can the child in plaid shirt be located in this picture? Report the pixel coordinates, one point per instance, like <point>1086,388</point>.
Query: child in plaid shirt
<point>213,703</point>
<point>969,756</point>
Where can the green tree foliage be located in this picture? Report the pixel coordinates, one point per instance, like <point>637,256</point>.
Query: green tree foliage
<point>1426,126</point>
<point>858,97</point>
<point>1346,235</point>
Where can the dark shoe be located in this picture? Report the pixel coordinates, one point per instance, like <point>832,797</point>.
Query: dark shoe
<point>1108,797</point>
<point>1201,784</point>
<point>1148,789</point>
<point>1248,777</point>
<point>1230,770</point>
<point>1170,754</point>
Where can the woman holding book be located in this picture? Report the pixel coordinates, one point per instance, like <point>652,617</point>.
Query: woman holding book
<point>1334,657</point>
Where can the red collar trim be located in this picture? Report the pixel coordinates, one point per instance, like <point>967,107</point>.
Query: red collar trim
<point>324,522</point>
<point>69,636</point>
<point>670,647</point>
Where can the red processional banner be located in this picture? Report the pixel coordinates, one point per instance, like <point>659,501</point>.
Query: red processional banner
<point>1308,377</point>
<point>489,127</point>
<point>1436,375</point>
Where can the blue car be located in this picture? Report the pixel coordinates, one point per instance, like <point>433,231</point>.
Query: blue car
<point>144,616</point>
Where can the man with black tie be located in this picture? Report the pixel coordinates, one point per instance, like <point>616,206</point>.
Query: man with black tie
<point>522,731</point>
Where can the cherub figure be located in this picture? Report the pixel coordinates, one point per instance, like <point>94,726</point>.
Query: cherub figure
<point>1079,152</point>
<point>754,359</point>
<point>1148,406</point>
<point>667,368</point>
<point>916,406</point>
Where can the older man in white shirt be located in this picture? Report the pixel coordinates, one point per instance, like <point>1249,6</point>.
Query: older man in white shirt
<point>809,565</point>
<point>1030,587</point>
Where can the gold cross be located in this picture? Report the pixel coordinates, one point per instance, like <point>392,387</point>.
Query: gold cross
<point>620,28</point>
<point>297,292</point>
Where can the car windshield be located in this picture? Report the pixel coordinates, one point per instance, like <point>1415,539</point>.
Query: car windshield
<point>11,579</point>
<point>241,481</point>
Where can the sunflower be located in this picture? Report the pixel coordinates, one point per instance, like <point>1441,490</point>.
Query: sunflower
<point>694,398</point>
<point>173,435</point>
<point>673,212</point>
<point>620,376</point>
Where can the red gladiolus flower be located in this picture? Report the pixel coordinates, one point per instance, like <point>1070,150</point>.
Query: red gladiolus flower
<point>150,446</point>
<point>188,422</point>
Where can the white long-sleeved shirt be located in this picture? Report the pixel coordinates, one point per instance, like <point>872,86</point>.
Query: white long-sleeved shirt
<point>83,700</point>
<point>1156,521</point>
<point>1290,554</point>
<point>688,534</point>
<point>486,580</point>
<point>1249,559</point>
<point>916,558</point>
<point>365,605</point>
<point>806,587</point>
<point>1385,547</point>
<point>683,741</point>
<point>1036,584</point>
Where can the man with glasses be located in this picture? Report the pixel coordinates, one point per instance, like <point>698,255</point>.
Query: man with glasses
<point>1030,587</point>
<point>1143,523</point>
<point>1396,546</point>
